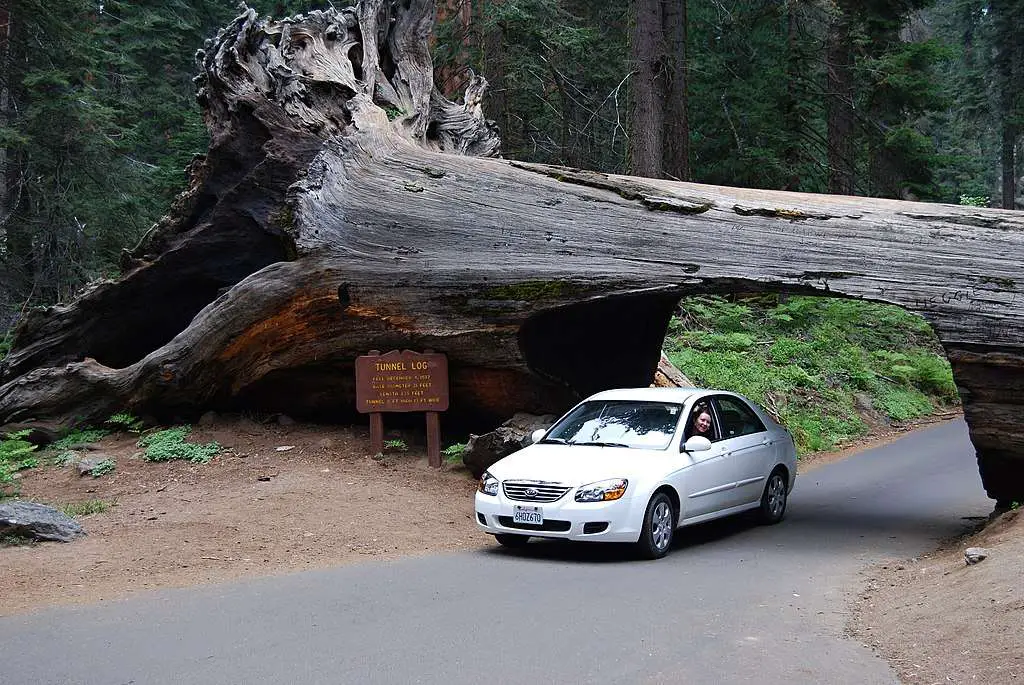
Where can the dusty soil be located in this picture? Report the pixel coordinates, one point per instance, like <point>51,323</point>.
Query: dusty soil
<point>277,499</point>
<point>939,620</point>
<point>258,510</point>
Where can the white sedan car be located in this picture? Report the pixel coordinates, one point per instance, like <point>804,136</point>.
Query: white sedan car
<point>627,466</point>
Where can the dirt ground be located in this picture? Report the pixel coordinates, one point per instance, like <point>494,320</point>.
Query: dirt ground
<point>284,498</point>
<point>278,499</point>
<point>939,620</point>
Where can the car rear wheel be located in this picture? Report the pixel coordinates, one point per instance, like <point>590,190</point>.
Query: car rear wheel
<point>511,540</point>
<point>773,500</point>
<point>658,528</point>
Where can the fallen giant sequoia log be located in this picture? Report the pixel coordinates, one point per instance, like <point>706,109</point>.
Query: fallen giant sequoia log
<point>345,205</point>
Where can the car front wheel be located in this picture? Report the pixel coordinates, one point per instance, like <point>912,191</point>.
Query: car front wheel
<point>658,527</point>
<point>773,500</point>
<point>511,540</point>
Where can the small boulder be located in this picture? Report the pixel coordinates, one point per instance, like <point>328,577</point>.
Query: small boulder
<point>973,555</point>
<point>85,465</point>
<point>514,434</point>
<point>37,521</point>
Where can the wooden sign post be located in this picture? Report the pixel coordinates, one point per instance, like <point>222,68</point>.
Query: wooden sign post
<point>403,382</point>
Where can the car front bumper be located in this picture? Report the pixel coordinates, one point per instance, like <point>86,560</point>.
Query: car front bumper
<point>567,519</point>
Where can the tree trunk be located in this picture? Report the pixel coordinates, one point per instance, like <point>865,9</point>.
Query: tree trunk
<point>677,127</point>
<point>795,69</point>
<point>839,102</point>
<point>325,222</point>
<point>647,86</point>
<point>1009,166</point>
<point>1009,67</point>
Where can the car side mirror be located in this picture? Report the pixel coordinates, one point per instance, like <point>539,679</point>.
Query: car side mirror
<point>536,435</point>
<point>697,443</point>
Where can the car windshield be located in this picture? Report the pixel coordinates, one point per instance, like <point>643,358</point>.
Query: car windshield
<point>618,423</point>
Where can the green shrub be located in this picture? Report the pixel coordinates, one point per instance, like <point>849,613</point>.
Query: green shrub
<point>974,200</point>
<point>65,458</point>
<point>933,375</point>
<point>124,421</point>
<point>396,444</point>
<point>14,447</point>
<point>85,436</point>
<point>815,432</point>
<point>453,453</point>
<point>810,356</point>
<point>901,404</point>
<point>14,456</point>
<point>718,313</point>
<point>103,468</point>
<point>787,350</point>
<point>170,444</point>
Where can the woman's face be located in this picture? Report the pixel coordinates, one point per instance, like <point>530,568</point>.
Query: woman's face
<point>703,422</point>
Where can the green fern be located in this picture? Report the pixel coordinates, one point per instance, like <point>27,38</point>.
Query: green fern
<point>170,444</point>
<point>85,436</point>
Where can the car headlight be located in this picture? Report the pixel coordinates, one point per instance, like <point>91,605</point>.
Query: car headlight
<point>602,491</point>
<point>488,484</point>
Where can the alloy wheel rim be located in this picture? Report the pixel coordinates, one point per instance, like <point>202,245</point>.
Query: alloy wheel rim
<point>661,525</point>
<point>776,495</point>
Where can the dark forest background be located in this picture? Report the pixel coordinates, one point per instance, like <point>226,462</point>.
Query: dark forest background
<point>911,99</point>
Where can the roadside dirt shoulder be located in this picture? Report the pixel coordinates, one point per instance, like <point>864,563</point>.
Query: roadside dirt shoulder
<point>277,500</point>
<point>938,619</point>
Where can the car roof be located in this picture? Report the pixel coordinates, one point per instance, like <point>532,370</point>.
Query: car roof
<point>679,395</point>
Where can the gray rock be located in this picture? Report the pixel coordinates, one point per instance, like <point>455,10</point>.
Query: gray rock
<point>87,464</point>
<point>973,555</point>
<point>208,419</point>
<point>514,434</point>
<point>37,521</point>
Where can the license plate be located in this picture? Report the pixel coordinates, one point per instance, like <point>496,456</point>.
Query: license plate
<point>533,516</point>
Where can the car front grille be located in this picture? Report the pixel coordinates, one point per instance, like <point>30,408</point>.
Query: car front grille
<point>534,491</point>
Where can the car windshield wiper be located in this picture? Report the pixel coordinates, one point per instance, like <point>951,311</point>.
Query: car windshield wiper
<point>560,441</point>
<point>600,444</point>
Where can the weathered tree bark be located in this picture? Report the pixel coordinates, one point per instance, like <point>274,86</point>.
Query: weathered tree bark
<point>839,96</point>
<point>676,164</point>
<point>317,228</point>
<point>647,87</point>
<point>1009,78</point>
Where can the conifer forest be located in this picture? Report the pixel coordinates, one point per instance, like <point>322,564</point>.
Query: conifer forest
<point>906,99</point>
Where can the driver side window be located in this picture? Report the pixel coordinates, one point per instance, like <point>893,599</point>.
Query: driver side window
<point>702,421</point>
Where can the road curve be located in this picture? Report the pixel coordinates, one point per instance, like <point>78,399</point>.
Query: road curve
<point>732,603</point>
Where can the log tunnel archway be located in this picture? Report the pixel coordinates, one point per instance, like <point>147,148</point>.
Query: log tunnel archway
<point>318,192</point>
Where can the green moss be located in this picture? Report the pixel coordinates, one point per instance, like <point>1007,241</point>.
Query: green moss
<point>531,291</point>
<point>997,281</point>
<point>283,218</point>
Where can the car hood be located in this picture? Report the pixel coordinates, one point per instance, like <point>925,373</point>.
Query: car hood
<point>577,464</point>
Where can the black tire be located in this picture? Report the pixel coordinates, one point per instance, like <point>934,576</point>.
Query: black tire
<point>511,539</point>
<point>774,498</point>
<point>658,528</point>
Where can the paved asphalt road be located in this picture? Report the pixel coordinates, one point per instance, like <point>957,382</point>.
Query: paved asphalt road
<point>732,603</point>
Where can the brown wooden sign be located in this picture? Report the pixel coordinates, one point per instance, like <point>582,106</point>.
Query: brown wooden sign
<point>401,381</point>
